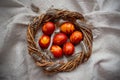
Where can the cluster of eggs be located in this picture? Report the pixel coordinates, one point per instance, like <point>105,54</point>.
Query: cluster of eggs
<point>63,42</point>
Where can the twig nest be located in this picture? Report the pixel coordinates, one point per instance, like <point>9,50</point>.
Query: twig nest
<point>43,58</point>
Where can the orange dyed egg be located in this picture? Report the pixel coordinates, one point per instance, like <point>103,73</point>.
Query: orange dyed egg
<point>48,28</point>
<point>56,51</point>
<point>44,41</point>
<point>68,49</point>
<point>67,28</point>
<point>60,39</point>
<point>76,37</point>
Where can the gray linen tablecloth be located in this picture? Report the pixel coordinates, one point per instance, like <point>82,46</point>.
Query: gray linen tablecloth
<point>16,63</point>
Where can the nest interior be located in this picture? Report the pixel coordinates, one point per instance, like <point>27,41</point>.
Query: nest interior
<point>45,61</point>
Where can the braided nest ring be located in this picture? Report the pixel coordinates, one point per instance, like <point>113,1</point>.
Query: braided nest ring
<point>55,15</point>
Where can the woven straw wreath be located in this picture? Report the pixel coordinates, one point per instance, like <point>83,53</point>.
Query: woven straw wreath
<point>42,59</point>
